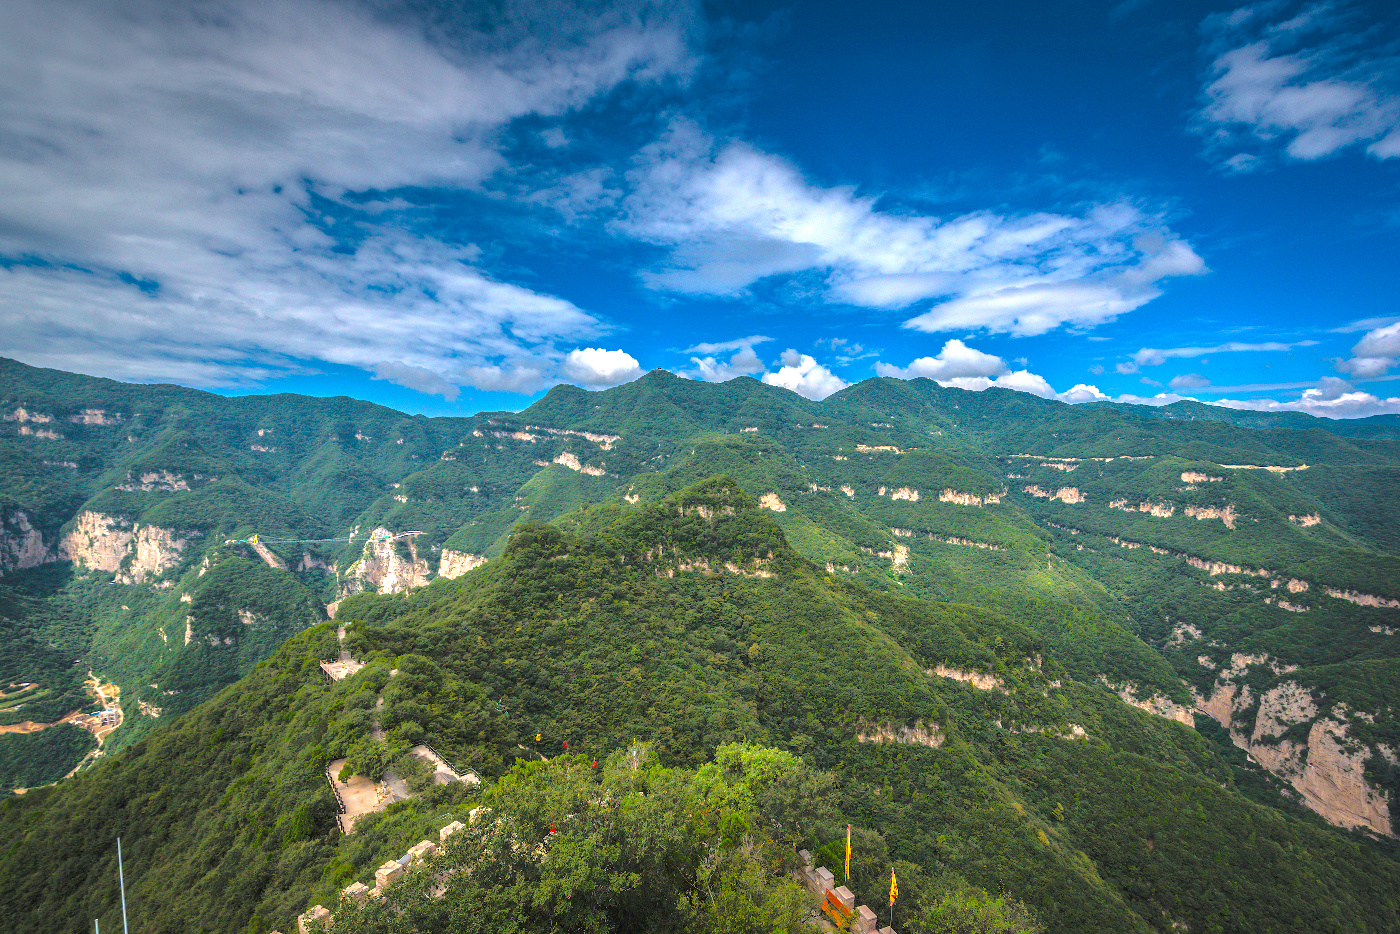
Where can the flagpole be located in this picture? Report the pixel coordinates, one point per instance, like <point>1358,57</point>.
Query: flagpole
<point>121,879</point>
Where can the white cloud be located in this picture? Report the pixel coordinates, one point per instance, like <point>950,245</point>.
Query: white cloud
<point>1162,398</point>
<point>1154,356</point>
<point>1374,354</point>
<point>1330,398</point>
<point>1312,86</point>
<point>416,377</point>
<point>955,360</point>
<point>963,367</point>
<point>1189,381</point>
<point>805,376</point>
<point>713,370</point>
<point>731,215</point>
<point>598,368</point>
<point>201,150</point>
<point>740,343</point>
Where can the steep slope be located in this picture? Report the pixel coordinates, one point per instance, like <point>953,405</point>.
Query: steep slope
<point>1134,544</point>
<point>956,741</point>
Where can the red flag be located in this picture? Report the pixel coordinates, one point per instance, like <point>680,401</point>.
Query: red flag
<point>595,763</point>
<point>551,829</point>
<point>566,744</point>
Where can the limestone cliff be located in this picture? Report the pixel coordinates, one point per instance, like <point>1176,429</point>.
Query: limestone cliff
<point>457,563</point>
<point>21,545</point>
<point>384,569</point>
<point>1327,769</point>
<point>131,551</point>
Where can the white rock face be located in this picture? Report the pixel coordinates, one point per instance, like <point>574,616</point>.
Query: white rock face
<point>1192,476</point>
<point>94,417</point>
<point>1066,494</point>
<point>382,566</point>
<point>103,543</point>
<point>771,501</point>
<point>572,462</point>
<point>920,733</point>
<point>1327,770</point>
<point>457,563</point>
<point>21,545</point>
<point>983,682</point>
<point>1226,515</point>
<point>967,499</point>
<point>1306,521</point>
<point>1362,599</point>
<point>156,551</point>
<point>1158,704</point>
<point>156,480</point>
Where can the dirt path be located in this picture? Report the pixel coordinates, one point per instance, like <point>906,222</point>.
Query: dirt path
<point>109,696</point>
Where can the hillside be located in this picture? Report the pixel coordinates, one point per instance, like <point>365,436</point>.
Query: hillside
<point>1239,576</point>
<point>949,735</point>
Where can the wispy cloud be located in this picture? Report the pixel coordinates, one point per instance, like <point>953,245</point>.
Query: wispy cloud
<point>1330,398</point>
<point>1305,84</point>
<point>1155,356</point>
<point>167,166</point>
<point>731,215</point>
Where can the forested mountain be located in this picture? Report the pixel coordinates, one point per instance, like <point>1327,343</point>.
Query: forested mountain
<point>1131,668</point>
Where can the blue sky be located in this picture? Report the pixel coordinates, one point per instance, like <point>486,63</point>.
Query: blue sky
<point>452,207</point>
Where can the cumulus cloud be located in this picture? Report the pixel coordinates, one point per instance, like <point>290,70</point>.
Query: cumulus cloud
<point>963,367</point>
<point>730,215</point>
<point>597,368</point>
<point>177,175</point>
<point>805,376</point>
<point>1374,354</point>
<point>744,361</point>
<point>1309,86</point>
<point>956,360</point>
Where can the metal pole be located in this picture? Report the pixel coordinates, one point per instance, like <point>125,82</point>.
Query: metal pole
<point>95,929</point>
<point>122,880</point>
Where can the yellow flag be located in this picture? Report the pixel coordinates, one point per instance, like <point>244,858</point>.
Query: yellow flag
<point>894,886</point>
<point>848,852</point>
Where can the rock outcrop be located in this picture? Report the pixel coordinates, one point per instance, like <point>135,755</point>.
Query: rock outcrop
<point>983,682</point>
<point>572,462</point>
<point>132,552</point>
<point>1158,704</point>
<point>771,501</point>
<point>920,734</point>
<point>21,545</point>
<point>1066,494</point>
<point>968,499</point>
<point>383,568</point>
<point>1327,769</point>
<point>456,563</point>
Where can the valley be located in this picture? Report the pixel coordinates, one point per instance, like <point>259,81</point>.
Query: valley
<point>1080,675</point>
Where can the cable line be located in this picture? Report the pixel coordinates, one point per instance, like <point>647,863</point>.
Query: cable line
<point>255,539</point>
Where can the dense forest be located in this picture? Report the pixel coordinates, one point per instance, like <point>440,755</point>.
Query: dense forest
<point>986,628</point>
